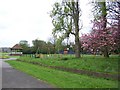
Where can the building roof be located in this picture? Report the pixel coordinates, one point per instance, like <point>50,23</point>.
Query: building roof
<point>16,46</point>
<point>65,49</point>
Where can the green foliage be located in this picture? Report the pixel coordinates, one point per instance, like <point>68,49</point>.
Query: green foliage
<point>40,46</point>
<point>4,55</point>
<point>64,58</point>
<point>54,45</point>
<point>65,19</point>
<point>26,49</point>
<point>63,79</point>
<point>99,10</point>
<point>103,8</point>
<point>62,18</point>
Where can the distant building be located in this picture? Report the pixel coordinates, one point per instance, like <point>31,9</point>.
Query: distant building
<point>5,49</point>
<point>66,51</point>
<point>16,50</point>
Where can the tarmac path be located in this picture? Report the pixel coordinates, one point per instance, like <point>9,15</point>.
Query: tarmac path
<point>12,78</point>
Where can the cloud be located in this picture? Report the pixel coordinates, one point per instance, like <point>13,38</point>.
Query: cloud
<point>26,20</point>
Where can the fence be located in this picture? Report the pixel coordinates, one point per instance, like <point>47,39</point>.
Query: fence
<point>48,55</point>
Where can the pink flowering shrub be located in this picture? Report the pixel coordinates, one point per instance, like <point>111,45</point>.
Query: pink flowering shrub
<point>98,38</point>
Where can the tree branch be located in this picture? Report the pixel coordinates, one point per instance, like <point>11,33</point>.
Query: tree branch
<point>72,33</point>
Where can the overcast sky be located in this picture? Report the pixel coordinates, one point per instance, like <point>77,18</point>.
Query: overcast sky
<point>29,20</point>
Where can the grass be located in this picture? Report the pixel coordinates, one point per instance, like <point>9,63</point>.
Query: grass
<point>87,62</point>
<point>14,56</point>
<point>63,79</point>
<point>4,55</point>
<point>7,55</point>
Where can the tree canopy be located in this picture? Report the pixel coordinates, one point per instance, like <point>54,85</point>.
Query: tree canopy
<point>66,20</point>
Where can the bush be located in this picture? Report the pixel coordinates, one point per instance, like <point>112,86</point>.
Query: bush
<point>64,58</point>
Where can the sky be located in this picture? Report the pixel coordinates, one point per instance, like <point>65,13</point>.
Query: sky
<point>30,20</point>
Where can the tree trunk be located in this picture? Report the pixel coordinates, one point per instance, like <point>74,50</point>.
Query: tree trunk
<point>77,46</point>
<point>76,22</point>
<point>104,14</point>
<point>106,51</point>
<point>106,54</point>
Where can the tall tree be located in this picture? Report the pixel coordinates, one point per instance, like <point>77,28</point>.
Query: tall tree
<point>50,47</point>
<point>101,9</point>
<point>107,17</point>
<point>65,19</point>
<point>39,46</point>
<point>114,18</point>
<point>25,46</point>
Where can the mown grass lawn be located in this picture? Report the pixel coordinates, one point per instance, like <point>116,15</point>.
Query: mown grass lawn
<point>4,55</point>
<point>63,79</point>
<point>87,62</point>
<point>7,55</point>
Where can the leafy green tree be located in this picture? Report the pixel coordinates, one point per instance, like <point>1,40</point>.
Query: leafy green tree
<point>59,45</point>
<point>39,45</point>
<point>53,40</point>
<point>50,48</point>
<point>66,20</point>
<point>25,46</point>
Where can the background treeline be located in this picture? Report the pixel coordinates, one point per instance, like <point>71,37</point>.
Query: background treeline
<point>40,46</point>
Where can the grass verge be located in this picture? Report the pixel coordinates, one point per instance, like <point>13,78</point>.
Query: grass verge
<point>63,79</point>
<point>87,62</point>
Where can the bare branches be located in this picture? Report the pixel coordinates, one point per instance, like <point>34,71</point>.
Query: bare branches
<point>72,33</point>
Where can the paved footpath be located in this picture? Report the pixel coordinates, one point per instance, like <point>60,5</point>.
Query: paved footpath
<point>12,78</point>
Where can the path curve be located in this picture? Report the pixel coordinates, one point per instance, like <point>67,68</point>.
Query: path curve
<point>12,78</point>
